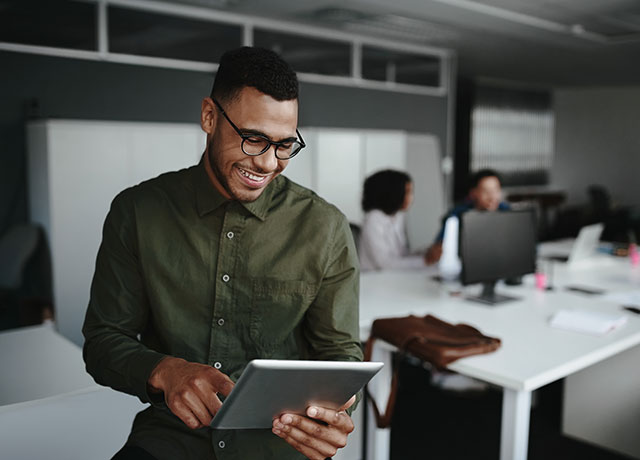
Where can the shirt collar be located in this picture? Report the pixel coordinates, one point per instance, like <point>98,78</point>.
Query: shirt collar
<point>208,198</point>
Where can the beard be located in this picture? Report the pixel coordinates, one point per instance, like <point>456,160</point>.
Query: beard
<point>215,167</point>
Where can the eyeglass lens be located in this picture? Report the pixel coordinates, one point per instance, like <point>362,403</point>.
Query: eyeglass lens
<point>257,145</point>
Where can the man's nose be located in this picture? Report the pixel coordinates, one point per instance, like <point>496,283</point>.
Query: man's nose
<point>267,162</point>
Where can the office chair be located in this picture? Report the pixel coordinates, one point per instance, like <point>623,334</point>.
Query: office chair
<point>17,247</point>
<point>355,231</point>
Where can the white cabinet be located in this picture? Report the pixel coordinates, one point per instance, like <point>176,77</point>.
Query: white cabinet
<point>384,150</point>
<point>75,169</point>
<point>424,164</point>
<point>338,170</point>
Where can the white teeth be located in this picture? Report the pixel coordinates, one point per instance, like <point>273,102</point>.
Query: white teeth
<point>251,176</point>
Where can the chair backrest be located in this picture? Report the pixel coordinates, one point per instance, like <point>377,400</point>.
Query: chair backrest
<point>355,231</point>
<point>16,247</point>
<point>600,201</point>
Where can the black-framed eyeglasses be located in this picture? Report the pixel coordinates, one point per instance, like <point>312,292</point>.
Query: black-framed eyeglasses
<point>254,144</point>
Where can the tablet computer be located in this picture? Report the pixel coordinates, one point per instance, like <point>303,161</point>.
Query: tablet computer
<point>269,387</point>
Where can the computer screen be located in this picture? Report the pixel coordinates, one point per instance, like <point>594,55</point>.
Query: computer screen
<point>494,246</point>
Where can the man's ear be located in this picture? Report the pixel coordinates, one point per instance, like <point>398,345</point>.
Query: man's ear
<point>208,115</point>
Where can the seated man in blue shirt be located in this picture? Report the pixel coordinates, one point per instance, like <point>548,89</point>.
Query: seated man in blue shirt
<point>485,194</point>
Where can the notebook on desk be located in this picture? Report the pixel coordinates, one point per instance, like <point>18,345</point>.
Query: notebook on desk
<point>584,247</point>
<point>589,322</point>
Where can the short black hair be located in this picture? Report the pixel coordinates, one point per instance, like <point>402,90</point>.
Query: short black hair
<point>258,68</point>
<point>477,176</point>
<point>385,190</point>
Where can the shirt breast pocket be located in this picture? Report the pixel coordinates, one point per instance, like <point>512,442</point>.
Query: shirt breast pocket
<point>277,307</point>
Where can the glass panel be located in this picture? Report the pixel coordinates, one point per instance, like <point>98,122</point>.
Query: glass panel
<point>305,54</point>
<point>61,24</point>
<point>513,133</point>
<point>400,67</point>
<point>150,34</point>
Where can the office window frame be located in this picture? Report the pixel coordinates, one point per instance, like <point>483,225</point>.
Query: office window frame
<point>248,24</point>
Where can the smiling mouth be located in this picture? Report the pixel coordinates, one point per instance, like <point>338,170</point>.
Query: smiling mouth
<point>252,179</point>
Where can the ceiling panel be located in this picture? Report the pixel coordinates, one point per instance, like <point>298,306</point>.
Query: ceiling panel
<point>537,42</point>
<point>610,17</point>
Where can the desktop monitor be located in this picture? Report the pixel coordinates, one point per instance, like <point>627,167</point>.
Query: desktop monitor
<point>494,246</point>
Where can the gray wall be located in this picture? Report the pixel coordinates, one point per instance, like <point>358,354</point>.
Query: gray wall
<point>34,86</point>
<point>598,142</point>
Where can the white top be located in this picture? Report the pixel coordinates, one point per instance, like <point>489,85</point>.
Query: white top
<point>383,243</point>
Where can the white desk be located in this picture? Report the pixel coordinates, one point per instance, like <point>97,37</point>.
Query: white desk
<point>88,424</point>
<point>37,362</point>
<point>532,354</point>
<point>50,407</point>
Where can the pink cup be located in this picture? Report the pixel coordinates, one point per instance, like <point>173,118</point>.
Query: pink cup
<point>634,255</point>
<point>541,280</point>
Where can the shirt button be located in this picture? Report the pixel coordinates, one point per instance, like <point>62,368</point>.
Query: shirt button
<point>217,365</point>
<point>230,235</point>
<point>221,444</point>
<point>225,278</point>
<point>221,322</point>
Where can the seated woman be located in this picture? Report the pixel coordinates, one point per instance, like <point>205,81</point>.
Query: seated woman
<point>383,241</point>
<point>383,245</point>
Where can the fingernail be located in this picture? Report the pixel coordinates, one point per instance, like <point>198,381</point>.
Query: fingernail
<point>279,425</point>
<point>276,431</point>
<point>287,419</point>
<point>312,412</point>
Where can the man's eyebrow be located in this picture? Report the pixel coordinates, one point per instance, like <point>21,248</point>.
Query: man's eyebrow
<point>260,133</point>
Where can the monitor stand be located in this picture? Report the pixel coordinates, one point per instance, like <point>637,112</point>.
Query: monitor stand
<point>489,296</point>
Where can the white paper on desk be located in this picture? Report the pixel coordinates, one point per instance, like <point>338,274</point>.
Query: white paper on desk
<point>624,298</point>
<point>589,322</point>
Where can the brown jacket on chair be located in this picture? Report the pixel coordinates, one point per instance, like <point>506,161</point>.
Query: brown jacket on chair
<point>430,339</point>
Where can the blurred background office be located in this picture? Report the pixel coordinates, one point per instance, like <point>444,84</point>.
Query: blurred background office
<point>547,94</point>
<point>97,95</point>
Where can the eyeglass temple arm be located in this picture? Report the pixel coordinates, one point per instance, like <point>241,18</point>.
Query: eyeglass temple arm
<point>301,139</point>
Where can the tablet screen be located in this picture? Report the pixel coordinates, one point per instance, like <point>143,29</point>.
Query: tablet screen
<point>267,388</point>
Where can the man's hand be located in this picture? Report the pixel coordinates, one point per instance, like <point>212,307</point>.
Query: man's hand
<point>310,436</point>
<point>433,254</point>
<point>190,389</point>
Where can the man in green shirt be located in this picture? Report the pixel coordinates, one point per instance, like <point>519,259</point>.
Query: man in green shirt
<point>203,269</point>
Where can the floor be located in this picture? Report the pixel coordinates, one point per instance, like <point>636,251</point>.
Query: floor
<point>430,423</point>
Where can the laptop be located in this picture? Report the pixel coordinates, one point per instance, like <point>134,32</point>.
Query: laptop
<point>584,246</point>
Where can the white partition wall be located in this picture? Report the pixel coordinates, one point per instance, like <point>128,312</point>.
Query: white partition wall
<point>338,167</point>
<point>75,169</point>
<point>384,150</point>
<point>424,159</point>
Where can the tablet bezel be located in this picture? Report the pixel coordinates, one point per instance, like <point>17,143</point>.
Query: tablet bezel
<point>268,388</point>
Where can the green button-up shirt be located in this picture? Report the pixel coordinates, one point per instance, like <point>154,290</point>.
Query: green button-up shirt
<point>184,272</point>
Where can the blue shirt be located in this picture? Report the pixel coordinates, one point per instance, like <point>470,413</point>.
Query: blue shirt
<point>466,205</point>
